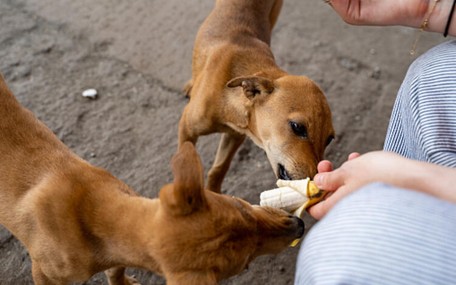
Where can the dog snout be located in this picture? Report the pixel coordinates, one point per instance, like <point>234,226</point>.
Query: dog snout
<point>296,173</point>
<point>283,173</point>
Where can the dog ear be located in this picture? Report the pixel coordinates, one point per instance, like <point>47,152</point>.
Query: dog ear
<point>186,194</point>
<point>252,85</point>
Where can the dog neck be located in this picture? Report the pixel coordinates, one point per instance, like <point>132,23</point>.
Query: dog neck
<point>125,224</point>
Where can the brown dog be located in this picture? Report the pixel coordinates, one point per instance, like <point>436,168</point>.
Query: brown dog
<point>237,88</point>
<point>76,219</point>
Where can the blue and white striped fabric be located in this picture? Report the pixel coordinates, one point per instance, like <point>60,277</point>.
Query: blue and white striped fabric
<point>423,121</point>
<point>398,237</point>
<point>385,235</point>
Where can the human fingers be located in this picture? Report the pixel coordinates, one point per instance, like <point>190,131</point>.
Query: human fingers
<point>325,166</point>
<point>353,155</point>
<point>330,181</point>
<point>381,13</point>
<point>320,209</point>
<point>348,10</point>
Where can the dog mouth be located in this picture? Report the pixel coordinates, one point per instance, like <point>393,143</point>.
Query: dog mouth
<point>283,173</point>
<point>301,228</point>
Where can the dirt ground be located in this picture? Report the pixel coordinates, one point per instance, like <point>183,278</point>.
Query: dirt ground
<point>137,54</point>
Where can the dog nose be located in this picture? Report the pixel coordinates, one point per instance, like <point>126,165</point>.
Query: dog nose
<point>300,227</point>
<point>283,173</point>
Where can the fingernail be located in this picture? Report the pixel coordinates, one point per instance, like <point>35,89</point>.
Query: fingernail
<point>318,179</point>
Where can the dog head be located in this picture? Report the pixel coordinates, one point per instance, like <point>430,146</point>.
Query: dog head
<point>205,236</point>
<point>290,119</point>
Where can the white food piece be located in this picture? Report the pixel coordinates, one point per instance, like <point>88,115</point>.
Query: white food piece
<point>298,185</point>
<point>291,195</point>
<point>90,93</point>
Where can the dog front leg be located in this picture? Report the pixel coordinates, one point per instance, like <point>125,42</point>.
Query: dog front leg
<point>229,144</point>
<point>116,276</point>
<point>39,278</point>
<point>188,127</point>
<point>191,278</point>
<point>275,11</point>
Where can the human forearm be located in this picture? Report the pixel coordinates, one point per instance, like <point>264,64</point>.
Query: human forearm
<point>429,178</point>
<point>383,167</point>
<point>409,13</point>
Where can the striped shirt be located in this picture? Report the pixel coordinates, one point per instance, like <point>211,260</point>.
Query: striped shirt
<point>382,235</point>
<point>423,121</point>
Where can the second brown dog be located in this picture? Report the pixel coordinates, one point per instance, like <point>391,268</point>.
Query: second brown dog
<point>238,89</point>
<point>76,219</point>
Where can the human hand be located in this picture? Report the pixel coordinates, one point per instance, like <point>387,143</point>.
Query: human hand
<point>353,174</point>
<point>382,13</point>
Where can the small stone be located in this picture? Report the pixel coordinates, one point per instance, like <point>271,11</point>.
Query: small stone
<point>349,64</point>
<point>376,73</point>
<point>92,154</point>
<point>90,93</point>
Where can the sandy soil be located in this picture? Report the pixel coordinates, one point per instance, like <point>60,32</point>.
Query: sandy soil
<point>137,54</point>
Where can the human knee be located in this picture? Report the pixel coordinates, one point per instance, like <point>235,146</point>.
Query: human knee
<point>378,235</point>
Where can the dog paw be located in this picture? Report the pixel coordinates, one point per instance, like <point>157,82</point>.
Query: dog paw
<point>131,280</point>
<point>117,276</point>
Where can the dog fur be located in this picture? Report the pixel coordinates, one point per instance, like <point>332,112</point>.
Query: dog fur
<point>76,219</point>
<point>238,89</point>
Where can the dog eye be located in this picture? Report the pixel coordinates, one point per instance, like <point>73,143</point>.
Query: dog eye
<point>299,129</point>
<point>329,140</point>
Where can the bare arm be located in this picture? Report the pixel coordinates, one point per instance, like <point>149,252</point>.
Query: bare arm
<point>409,13</point>
<point>384,167</point>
